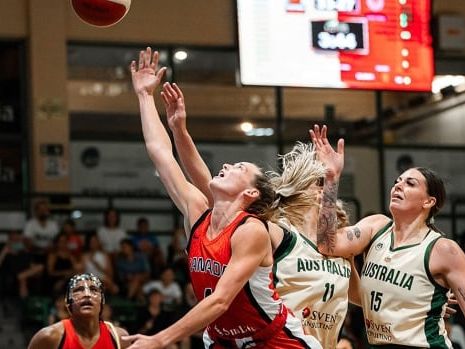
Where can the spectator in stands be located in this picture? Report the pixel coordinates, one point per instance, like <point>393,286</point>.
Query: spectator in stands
<point>110,234</point>
<point>61,264</point>
<point>169,288</point>
<point>153,317</point>
<point>98,262</point>
<point>157,263</point>
<point>133,269</point>
<point>17,265</point>
<point>177,247</point>
<point>58,311</point>
<point>74,240</point>
<point>177,256</point>
<point>143,240</point>
<point>41,229</point>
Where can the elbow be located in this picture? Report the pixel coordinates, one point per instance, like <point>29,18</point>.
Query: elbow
<point>221,305</point>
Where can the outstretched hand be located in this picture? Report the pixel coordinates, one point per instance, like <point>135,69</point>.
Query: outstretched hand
<point>145,76</point>
<point>333,160</point>
<point>174,104</point>
<point>140,341</point>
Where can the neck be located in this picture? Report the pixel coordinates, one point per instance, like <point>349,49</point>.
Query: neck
<point>310,223</point>
<point>407,227</point>
<point>86,327</point>
<point>223,213</point>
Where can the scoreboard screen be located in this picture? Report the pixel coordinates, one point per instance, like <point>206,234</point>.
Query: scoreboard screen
<point>358,44</point>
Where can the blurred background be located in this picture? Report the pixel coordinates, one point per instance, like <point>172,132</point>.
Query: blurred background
<point>72,153</point>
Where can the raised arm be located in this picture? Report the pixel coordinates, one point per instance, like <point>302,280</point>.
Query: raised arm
<point>145,79</point>
<point>191,161</point>
<point>347,241</point>
<point>246,257</point>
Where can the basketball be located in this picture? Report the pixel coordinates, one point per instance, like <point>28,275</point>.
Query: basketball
<point>101,13</point>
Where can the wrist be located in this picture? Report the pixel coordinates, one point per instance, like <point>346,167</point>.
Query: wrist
<point>144,94</point>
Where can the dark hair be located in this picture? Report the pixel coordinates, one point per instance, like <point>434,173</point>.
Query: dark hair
<point>435,187</point>
<point>105,216</point>
<point>142,220</point>
<point>79,277</point>
<point>261,206</point>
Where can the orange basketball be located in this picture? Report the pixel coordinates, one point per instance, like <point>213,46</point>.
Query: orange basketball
<point>101,13</point>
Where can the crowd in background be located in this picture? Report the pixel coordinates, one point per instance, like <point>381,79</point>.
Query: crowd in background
<point>141,279</point>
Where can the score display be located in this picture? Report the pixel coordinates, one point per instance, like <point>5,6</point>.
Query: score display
<point>359,44</point>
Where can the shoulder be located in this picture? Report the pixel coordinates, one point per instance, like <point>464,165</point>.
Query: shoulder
<point>378,220</point>
<point>253,230</point>
<point>276,234</point>
<point>445,251</point>
<point>118,331</point>
<point>48,337</point>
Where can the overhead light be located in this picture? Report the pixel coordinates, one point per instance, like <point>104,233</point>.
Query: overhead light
<point>76,214</point>
<point>246,127</point>
<point>180,55</point>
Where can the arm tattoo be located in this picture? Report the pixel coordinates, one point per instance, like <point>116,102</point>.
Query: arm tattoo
<point>327,218</point>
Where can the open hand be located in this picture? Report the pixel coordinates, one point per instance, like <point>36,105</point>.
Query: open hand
<point>333,160</point>
<point>145,76</point>
<point>174,104</point>
<point>139,341</point>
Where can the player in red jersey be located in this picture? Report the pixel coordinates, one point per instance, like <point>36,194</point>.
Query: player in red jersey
<point>230,257</point>
<point>84,300</point>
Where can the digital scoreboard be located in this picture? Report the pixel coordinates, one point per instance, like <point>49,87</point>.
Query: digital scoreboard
<point>359,44</point>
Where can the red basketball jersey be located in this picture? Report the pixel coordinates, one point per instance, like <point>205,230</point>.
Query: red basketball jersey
<point>255,306</point>
<point>71,340</point>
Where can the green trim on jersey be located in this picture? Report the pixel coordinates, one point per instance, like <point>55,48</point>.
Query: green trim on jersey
<point>392,249</point>
<point>378,234</point>
<point>437,302</point>
<point>283,250</point>
<point>426,264</point>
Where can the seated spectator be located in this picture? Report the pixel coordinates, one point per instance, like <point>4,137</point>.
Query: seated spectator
<point>41,229</point>
<point>98,262</point>
<point>157,263</point>
<point>133,269</point>
<point>177,247</point>
<point>18,266</point>
<point>74,240</point>
<point>153,318</point>
<point>169,289</point>
<point>143,240</point>
<point>61,264</point>
<point>110,234</point>
<point>58,311</point>
<point>177,256</point>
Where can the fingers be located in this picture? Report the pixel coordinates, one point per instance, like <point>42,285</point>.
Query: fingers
<point>130,338</point>
<point>178,91</point>
<point>132,67</point>
<point>160,73</point>
<point>141,59</point>
<point>155,60</point>
<point>172,92</point>
<point>340,146</point>
<point>147,57</point>
<point>165,99</point>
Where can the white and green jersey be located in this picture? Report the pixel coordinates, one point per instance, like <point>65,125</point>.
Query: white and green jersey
<point>313,287</point>
<point>402,304</point>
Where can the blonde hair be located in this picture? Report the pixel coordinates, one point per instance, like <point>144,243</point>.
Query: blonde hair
<point>343,219</point>
<point>300,170</point>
